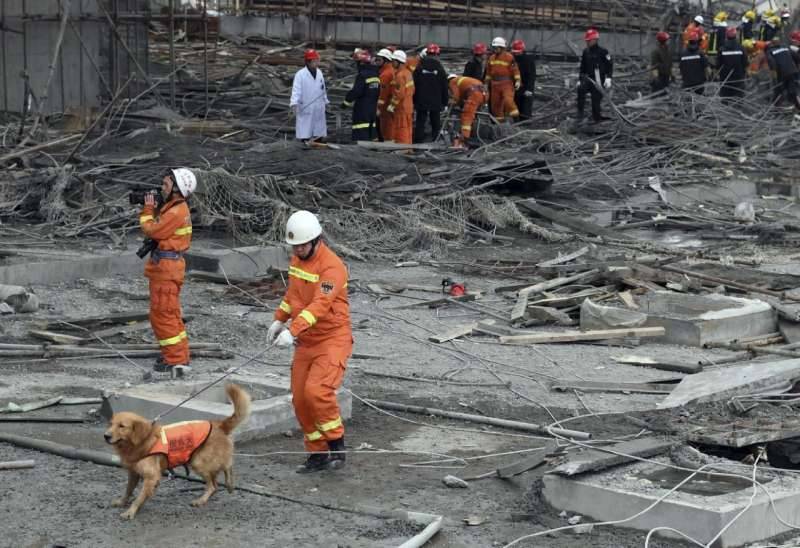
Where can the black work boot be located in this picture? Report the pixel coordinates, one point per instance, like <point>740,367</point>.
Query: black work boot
<point>314,463</point>
<point>338,454</point>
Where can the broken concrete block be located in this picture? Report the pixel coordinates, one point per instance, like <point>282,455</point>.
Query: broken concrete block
<point>546,314</point>
<point>6,309</point>
<point>575,520</point>
<point>19,298</point>
<point>695,320</point>
<point>453,481</point>
<point>240,262</point>
<point>595,316</point>
<point>722,384</point>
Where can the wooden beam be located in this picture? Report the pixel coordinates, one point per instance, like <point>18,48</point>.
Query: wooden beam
<point>575,336</point>
<point>689,368</point>
<point>454,333</point>
<point>563,219</point>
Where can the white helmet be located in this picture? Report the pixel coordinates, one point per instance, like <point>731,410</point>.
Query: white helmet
<point>186,181</point>
<point>302,227</point>
<point>699,19</point>
<point>499,42</point>
<point>423,53</point>
<point>386,54</point>
<point>451,76</point>
<point>400,56</point>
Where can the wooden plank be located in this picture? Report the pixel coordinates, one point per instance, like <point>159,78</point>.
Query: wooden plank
<point>561,218</point>
<point>593,460</point>
<point>528,463</point>
<point>566,258</point>
<point>573,336</point>
<point>689,368</point>
<point>627,299</point>
<point>518,312</point>
<point>654,387</point>
<point>438,302</point>
<point>559,282</point>
<point>453,333</point>
<point>58,338</point>
<point>92,320</point>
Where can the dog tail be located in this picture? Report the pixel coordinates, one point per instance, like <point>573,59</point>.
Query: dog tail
<point>241,408</point>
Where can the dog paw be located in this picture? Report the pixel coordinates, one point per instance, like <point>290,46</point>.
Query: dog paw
<point>117,503</point>
<point>128,514</point>
<point>199,502</point>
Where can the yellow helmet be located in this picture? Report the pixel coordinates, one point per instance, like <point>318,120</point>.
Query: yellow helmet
<point>768,13</point>
<point>748,44</point>
<point>774,21</point>
<point>750,15</point>
<point>721,16</point>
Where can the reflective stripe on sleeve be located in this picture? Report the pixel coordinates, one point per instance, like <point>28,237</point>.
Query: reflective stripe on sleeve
<point>309,317</point>
<point>183,231</point>
<point>286,307</point>
<point>144,218</point>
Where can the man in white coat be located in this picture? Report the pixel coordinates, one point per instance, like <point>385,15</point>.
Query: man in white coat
<point>309,98</point>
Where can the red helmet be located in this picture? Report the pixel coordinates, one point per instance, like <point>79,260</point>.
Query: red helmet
<point>731,33</point>
<point>433,49</point>
<point>311,55</point>
<point>694,36</point>
<point>662,37</point>
<point>591,34</point>
<point>362,56</point>
<point>479,49</point>
<point>795,36</point>
<point>517,46</point>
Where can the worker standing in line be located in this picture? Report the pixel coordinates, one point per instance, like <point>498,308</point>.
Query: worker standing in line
<point>413,61</point>
<point>716,37</point>
<point>695,25</point>
<point>363,98</point>
<point>317,305</point>
<point>660,64</point>
<point>694,66</point>
<point>386,75</point>
<point>758,71</point>
<point>526,61</point>
<point>171,229</point>
<point>770,28</point>
<point>476,67</point>
<point>594,74</point>
<point>732,66</point>
<point>502,78</point>
<point>430,94</point>
<point>746,28</point>
<point>785,71</point>
<point>794,38</point>
<point>309,98</point>
<point>469,94</point>
<point>401,101</point>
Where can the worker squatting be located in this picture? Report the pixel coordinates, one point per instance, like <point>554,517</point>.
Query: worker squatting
<point>395,97</point>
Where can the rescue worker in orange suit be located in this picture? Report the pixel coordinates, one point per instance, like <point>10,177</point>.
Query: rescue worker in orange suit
<point>316,303</point>
<point>401,102</point>
<point>502,78</point>
<point>430,94</point>
<point>386,75</point>
<point>171,229</point>
<point>363,97</point>
<point>469,94</point>
<point>476,67</point>
<point>696,25</point>
<point>594,74</point>
<point>526,62</point>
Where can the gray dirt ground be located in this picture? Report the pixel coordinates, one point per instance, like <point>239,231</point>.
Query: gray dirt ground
<point>63,502</point>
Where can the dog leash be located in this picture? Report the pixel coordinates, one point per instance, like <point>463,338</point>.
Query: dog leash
<point>223,377</point>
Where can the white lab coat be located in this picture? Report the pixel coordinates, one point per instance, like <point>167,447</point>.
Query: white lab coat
<point>310,96</point>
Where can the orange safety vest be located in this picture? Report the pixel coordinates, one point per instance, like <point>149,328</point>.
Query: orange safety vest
<point>502,66</point>
<point>179,441</point>
<point>172,229</point>
<point>403,90</point>
<point>316,299</point>
<point>386,76</point>
<point>463,86</point>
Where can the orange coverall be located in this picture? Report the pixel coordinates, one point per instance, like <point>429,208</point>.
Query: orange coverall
<point>316,302</point>
<point>385,118</point>
<point>500,69</point>
<point>172,229</point>
<point>469,94</point>
<point>692,26</point>
<point>403,101</point>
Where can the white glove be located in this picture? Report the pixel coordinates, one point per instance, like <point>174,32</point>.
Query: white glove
<point>274,329</point>
<point>607,83</point>
<point>284,339</point>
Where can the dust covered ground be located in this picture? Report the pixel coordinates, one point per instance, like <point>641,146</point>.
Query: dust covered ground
<point>62,502</point>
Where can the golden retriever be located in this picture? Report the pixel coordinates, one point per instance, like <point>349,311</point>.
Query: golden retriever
<point>133,436</point>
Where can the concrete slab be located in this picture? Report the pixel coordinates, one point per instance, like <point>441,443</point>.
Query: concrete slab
<point>239,262</point>
<point>701,509</point>
<point>721,384</point>
<point>54,272</point>
<point>695,320</point>
<point>271,411</point>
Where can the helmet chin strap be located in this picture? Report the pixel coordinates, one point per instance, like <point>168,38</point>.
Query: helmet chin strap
<point>310,253</point>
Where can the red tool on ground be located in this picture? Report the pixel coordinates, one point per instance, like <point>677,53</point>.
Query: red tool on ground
<point>454,289</point>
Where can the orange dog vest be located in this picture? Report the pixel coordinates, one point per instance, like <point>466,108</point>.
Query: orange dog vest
<point>179,441</point>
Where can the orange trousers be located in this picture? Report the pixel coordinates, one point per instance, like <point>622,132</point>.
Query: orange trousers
<point>402,127</point>
<point>385,121</point>
<point>502,100</point>
<point>474,101</point>
<point>317,372</point>
<point>167,321</point>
